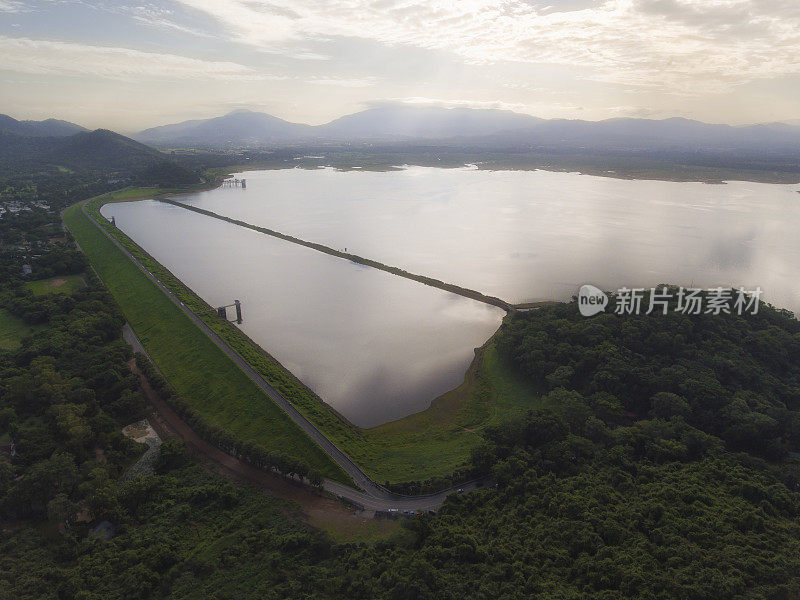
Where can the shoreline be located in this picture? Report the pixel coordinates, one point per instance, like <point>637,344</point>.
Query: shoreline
<point>419,447</point>
<point>166,195</point>
<point>375,495</point>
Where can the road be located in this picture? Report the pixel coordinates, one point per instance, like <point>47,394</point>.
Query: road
<point>371,496</point>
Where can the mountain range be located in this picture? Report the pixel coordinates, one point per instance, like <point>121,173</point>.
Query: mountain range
<point>492,129</point>
<point>671,148</point>
<point>464,127</point>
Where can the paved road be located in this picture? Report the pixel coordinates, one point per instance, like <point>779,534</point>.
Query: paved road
<point>371,496</point>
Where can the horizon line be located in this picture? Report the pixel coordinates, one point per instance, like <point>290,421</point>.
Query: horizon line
<point>788,123</point>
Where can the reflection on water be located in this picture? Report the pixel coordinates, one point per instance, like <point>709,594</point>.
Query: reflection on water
<point>523,235</point>
<point>375,346</point>
<point>378,347</point>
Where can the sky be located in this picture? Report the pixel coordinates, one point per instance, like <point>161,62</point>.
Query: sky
<point>128,66</point>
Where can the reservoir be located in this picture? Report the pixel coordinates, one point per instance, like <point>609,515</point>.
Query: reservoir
<point>377,347</point>
<point>536,235</point>
<point>374,346</point>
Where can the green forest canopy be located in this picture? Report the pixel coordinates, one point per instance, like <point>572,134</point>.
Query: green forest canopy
<point>659,469</point>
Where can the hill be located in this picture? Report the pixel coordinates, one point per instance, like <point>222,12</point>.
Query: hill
<point>46,128</point>
<point>424,123</point>
<point>239,128</point>
<point>100,151</point>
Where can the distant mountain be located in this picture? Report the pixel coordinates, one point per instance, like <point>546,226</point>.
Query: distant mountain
<point>100,151</point>
<point>424,123</point>
<point>239,128</point>
<point>391,123</point>
<point>483,129</point>
<point>645,135</point>
<point>47,128</point>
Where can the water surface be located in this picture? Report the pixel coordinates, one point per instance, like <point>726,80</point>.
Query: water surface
<point>378,347</point>
<point>374,346</point>
<point>536,235</point>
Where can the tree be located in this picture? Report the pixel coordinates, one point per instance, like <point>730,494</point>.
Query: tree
<point>61,510</point>
<point>665,405</point>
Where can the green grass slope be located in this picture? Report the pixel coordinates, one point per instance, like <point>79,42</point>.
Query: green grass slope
<point>193,365</point>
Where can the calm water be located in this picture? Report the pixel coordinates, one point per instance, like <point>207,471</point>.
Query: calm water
<point>374,346</point>
<point>377,347</point>
<point>524,235</point>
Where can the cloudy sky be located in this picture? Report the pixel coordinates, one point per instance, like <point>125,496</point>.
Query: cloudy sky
<point>127,66</point>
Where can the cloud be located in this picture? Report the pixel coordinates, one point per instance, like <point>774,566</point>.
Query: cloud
<point>687,46</point>
<point>159,17</point>
<point>23,55</point>
<point>295,53</point>
<point>11,6</point>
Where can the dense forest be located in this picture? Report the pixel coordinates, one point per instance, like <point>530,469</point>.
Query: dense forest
<point>661,467</point>
<point>734,377</point>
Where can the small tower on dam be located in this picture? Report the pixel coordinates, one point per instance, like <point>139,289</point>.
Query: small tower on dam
<point>222,311</point>
<point>233,182</point>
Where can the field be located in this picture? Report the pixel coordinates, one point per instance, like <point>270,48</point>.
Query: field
<point>13,330</point>
<point>193,365</point>
<point>430,444</point>
<point>65,284</point>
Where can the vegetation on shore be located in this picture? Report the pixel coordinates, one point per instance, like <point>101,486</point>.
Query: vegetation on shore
<point>192,363</point>
<point>621,485</point>
<point>391,157</point>
<point>433,445</point>
<point>74,524</point>
<point>736,377</point>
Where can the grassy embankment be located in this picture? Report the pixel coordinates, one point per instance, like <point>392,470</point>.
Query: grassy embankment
<point>194,366</point>
<point>14,330</point>
<point>425,445</point>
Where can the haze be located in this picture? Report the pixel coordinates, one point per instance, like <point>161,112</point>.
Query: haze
<point>131,66</point>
